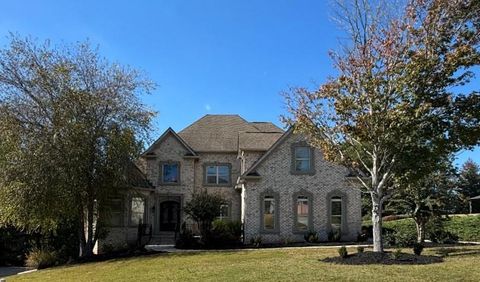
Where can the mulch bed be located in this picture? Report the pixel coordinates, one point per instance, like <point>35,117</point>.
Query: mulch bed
<point>382,258</point>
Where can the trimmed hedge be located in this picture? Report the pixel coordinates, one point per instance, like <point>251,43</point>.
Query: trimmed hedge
<point>467,227</point>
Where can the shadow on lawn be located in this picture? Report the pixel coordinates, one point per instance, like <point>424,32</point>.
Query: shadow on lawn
<point>382,258</point>
<point>456,252</point>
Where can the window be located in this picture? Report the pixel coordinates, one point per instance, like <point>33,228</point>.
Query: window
<point>224,212</point>
<point>302,159</point>
<point>302,213</point>
<point>116,212</point>
<point>217,174</point>
<point>336,212</point>
<point>170,173</point>
<point>269,213</point>
<point>137,210</point>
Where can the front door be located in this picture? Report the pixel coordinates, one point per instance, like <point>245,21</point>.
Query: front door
<point>169,215</point>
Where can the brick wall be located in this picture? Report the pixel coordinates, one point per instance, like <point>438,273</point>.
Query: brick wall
<point>276,178</point>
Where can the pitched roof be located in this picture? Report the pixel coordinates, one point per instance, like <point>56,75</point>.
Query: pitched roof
<point>221,133</point>
<point>137,178</point>
<point>167,132</point>
<point>266,126</point>
<point>257,141</point>
<point>277,143</point>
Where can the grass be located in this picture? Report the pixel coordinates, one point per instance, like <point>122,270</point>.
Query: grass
<point>296,264</point>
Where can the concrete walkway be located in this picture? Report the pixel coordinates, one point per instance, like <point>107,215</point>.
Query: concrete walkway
<point>12,270</point>
<point>172,249</point>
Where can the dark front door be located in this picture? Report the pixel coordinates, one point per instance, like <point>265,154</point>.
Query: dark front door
<point>169,215</point>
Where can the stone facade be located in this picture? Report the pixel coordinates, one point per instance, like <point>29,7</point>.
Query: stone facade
<point>244,194</point>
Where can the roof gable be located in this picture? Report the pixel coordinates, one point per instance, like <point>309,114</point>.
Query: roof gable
<point>269,152</point>
<point>168,132</point>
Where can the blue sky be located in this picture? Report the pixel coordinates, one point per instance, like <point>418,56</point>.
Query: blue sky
<point>206,56</point>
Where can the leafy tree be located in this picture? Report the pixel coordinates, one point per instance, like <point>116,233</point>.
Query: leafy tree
<point>426,198</point>
<point>71,123</point>
<point>469,179</point>
<point>390,109</point>
<point>203,208</point>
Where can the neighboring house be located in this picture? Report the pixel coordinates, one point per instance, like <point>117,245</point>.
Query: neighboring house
<point>474,204</point>
<point>277,185</point>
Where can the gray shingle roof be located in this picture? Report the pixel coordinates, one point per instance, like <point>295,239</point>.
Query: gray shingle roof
<point>221,133</point>
<point>257,141</point>
<point>266,126</point>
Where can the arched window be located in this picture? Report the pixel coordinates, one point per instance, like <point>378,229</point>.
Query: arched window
<point>336,213</point>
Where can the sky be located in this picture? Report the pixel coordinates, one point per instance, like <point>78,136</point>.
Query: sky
<point>206,57</point>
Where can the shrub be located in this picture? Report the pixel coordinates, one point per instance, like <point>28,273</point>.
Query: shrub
<point>417,249</point>
<point>41,258</point>
<point>334,235</point>
<point>342,251</point>
<point>311,237</point>
<point>256,241</point>
<point>397,254</point>
<point>224,234</point>
<point>287,240</point>
<point>186,239</point>
<point>363,235</point>
<point>203,208</point>
<point>437,232</point>
<point>465,227</point>
<point>360,249</point>
<point>400,236</point>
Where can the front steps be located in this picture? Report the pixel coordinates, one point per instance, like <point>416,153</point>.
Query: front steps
<point>163,238</point>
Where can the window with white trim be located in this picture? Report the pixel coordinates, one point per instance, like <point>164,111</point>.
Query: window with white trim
<point>217,174</point>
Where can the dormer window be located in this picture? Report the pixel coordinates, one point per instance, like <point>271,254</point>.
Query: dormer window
<point>302,159</point>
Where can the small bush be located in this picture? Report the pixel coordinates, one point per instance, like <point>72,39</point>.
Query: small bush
<point>363,235</point>
<point>41,258</point>
<point>342,251</point>
<point>334,235</point>
<point>186,239</point>
<point>360,249</point>
<point>311,237</point>
<point>401,237</point>
<point>287,240</point>
<point>224,234</point>
<point>417,249</point>
<point>256,241</point>
<point>397,254</point>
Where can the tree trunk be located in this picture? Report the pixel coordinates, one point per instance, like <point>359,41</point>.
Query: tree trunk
<point>81,232</point>
<point>420,224</point>
<point>377,225</point>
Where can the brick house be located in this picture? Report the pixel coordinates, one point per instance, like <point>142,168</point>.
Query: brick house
<point>272,181</point>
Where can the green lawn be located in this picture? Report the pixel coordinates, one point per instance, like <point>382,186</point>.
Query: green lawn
<point>262,265</point>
